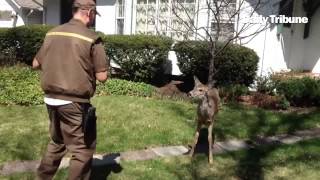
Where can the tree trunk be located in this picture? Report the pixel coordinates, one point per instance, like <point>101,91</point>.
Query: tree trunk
<point>212,69</point>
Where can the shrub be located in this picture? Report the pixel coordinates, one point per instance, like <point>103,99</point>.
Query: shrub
<point>300,91</point>
<point>265,84</point>
<point>3,34</point>
<point>7,53</point>
<point>234,65</point>
<point>269,102</point>
<point>232,92</point>
<point>124,87</point>
<point>20,85</point>
<point>140,57</point>
<point>283,103</point>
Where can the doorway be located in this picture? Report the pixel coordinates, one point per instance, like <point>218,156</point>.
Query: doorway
<point>66,10</point>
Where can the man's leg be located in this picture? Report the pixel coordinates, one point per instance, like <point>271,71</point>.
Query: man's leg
<point>51,161</point>
<point>72,132</point>
<point>55,150</point>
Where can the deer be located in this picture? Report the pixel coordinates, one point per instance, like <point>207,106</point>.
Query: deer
<point>208,107</point>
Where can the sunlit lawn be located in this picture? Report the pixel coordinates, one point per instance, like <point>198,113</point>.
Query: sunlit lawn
<point>132,123</point>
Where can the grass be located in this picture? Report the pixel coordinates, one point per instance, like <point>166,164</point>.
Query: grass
<point>130,123</point>
<point>299,161</point>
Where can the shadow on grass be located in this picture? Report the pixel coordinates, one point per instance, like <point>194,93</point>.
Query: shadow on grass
<point>256,122</point>
<point>251,122</point>
<point>202,146</point>
<point>102,168</point>
<point>250,166</point>
<point>21,146</point>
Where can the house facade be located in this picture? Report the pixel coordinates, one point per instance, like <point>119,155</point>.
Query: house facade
<point>280,46</point>
<point>20,12</point>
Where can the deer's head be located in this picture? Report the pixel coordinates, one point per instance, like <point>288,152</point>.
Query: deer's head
<point>199,89</point>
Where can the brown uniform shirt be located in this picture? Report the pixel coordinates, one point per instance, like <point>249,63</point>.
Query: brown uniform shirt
<point>69,57</point>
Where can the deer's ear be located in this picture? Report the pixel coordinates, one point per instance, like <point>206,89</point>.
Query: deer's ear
<point>196,80</point>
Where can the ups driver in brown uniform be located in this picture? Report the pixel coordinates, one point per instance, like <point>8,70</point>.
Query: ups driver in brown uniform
<point>71,59</point>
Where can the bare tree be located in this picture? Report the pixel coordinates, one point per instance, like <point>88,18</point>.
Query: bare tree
<point>224,24</point>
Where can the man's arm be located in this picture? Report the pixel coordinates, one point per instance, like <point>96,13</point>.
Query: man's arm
<point>100,61</point>
<point>38,59</point>
<point>36,64</point>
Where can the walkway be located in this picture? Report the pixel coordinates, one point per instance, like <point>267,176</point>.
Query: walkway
<point>152,153</point>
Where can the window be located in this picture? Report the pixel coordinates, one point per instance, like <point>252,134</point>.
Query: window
<point>177,18</point>
<point>66,11</point>
<point>226,30</point>
<point>146,15</point>
<point>158,17</point>
<point>226,20</point>
<point>286,8</point>
<point>120,14</point>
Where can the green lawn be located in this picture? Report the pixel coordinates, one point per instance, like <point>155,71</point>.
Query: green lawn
<point>128,123</point>
<point>287,162</point>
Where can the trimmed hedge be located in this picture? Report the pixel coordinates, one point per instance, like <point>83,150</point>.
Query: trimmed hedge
<point>235,65</point>
<point>3,34</point>
<point>141,57</point>
<point>7,53</point>
<point>21,86</point>
<point>23,41</point>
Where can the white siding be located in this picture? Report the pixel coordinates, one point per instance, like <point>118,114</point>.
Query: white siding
<point>266,44</point>
<point>287,50</point>
<point>106,22</point>
<point>128,26</point>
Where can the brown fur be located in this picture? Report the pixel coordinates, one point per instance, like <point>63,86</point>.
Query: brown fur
<point>208,107</point>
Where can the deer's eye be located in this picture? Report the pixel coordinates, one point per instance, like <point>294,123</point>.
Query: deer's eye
<point>200,90</point>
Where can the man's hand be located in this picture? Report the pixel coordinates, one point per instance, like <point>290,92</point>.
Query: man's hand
<point>102,76</point>
<point>36,64</point>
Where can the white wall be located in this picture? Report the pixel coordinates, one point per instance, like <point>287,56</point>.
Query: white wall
<point>7,5</point>
<point>106,23</point>
<point>52,12</point>
<point>287,50</point>
<point>267,44</point>
<point>128,26</point>
<point>295,42</point>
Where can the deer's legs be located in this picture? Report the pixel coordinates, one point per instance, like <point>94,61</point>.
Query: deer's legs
<point>196,137</point>
<point>210,140</point>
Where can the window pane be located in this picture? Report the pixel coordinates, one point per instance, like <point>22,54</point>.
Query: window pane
<point>164,1</point>
<point>226,30</point>
<point>190,1</point>
<point>120,26</point>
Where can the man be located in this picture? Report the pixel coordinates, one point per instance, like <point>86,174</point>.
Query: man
<point>71,59</point>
